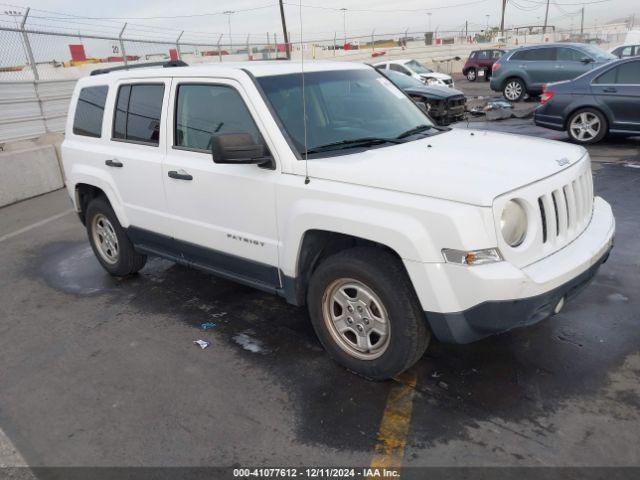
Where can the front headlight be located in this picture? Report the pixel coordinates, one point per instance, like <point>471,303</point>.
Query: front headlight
<point>513,223</point>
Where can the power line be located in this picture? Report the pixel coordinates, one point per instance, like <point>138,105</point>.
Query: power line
<point>380,10</point>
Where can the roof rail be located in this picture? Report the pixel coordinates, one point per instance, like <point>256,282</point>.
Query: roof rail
<point>169,64</point>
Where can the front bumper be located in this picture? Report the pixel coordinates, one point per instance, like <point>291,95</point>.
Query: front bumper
<point>470,303</point>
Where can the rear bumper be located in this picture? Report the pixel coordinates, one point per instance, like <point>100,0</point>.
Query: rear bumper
<point>464,304</point>
<point>553,122</point>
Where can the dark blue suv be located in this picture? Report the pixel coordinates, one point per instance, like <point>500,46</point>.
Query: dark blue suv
<point>603,101</point>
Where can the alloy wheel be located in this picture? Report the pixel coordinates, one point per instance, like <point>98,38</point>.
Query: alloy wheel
<point>356,319</point>
<point>105,239</point>
<point>585,126</point>
<point>513,90</point>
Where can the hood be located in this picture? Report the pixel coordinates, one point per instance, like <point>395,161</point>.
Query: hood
<point>439,76</point>
<point>434,91</point>
<point>465,166</point>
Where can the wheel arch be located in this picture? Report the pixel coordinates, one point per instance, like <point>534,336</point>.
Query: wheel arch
<point>315,246</point>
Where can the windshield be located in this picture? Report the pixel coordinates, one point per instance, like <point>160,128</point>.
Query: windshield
<point>403,81</point>
<point>341,107</point>
<point>418,67</point>
<point>598,54</point>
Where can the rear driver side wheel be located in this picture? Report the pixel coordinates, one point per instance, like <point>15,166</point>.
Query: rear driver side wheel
<point>109,241</point>
<point>472,75</point>
<point>587,126</point>
<point>514,90</point>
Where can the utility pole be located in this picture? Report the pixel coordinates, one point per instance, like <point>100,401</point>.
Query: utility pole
<point>504,7</point>
<point>228,13</point>
<point>429,15</point>
<point>344,24</point>
<point>582,23</point>
<point>466,29</point>
<point>285,32</point>
<point>546,18</point>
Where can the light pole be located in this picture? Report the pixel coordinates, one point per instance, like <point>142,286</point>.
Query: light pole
<point>228,13</point>
<point>344,23</point>
<point>429,15</point>
<point>487,15</point>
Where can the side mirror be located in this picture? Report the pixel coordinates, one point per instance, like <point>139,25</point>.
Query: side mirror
<point>239,148</point>
<point>587,60</point>
<point>422,106</point>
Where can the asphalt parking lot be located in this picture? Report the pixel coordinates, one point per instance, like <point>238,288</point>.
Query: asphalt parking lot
<point>97,371</point>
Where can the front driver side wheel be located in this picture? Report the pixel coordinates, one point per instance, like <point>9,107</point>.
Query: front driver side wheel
<point>366,314</point>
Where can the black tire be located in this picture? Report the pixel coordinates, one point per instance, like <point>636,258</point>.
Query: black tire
<point>384,274</point>
<point>127,260</point>
<point>472,75</point>
<point>514,90</point>
<point>602,126</point>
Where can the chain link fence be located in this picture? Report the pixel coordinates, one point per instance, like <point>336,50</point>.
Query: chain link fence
<point>38,68</point>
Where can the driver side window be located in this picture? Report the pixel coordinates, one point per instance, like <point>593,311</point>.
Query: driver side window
<point>204,110</point>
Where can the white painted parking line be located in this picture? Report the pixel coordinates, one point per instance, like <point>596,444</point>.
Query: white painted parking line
<point>34,225</point>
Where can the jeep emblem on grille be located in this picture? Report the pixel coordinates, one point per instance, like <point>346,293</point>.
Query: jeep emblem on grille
<point>562,161</point>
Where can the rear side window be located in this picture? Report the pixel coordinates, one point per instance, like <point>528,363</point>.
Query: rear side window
<point>203,110</point>
<point>483,55</point>
<point>473,55</point>
<point>625,74</point>
<point>90,111</point>
<point>535,55</point>
<point>138,112</point>
<point>497,53</point>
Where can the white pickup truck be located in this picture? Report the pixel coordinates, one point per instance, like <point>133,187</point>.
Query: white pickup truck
<point>387,228</point>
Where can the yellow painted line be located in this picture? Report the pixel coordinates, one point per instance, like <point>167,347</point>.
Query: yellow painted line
<point>395,424</point>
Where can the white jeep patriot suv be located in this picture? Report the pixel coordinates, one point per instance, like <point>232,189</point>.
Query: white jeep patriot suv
<point>388,228</point>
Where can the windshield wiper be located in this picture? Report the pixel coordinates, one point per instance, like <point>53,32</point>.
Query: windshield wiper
<point>354,143</point>
<point>414,131</point>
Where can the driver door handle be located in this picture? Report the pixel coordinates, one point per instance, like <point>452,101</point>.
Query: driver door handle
<point>180,175</point>
<point>610,90</point>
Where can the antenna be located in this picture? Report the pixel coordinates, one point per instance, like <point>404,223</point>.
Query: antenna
<point>304,106</point>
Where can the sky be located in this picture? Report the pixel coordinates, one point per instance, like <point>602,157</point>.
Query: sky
<point>321,19</point>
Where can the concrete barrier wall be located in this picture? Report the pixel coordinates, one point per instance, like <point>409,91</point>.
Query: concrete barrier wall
<point>28,173</point>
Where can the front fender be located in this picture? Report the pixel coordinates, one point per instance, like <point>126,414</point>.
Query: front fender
<point>415,227</point>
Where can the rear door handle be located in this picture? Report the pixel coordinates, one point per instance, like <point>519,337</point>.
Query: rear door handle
<point>113,163</point>
<point>610,90</point>
<point>181,175</point>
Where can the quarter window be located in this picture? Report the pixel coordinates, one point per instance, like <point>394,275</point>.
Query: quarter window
<point>204,110</point>
<point>138,113</point>
<point>535,55</point>
<point>90,111</point>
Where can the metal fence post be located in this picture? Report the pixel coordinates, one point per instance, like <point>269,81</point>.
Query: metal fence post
<point>373,41</point>
<point>268,45</point>
<point>124,53</point>
<point>27,45</point>
<point>334,44</point>
<point>248,52</point>
<point>220,51</point>
<point>178,45</point>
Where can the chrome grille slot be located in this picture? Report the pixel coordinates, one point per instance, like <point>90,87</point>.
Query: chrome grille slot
<point>560,209</point>
<point>543,217</point>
